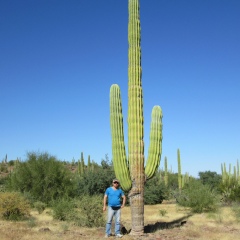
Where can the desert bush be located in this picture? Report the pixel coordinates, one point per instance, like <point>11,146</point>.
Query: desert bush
<point>11,163</point>
<point>13,206</point>
<point>43,177</point>
<point>63,209</point>
<point>31,222</point>
<point>155,191</point>
<point>96,182</point>
<point>211,178</point>
<point>236,210</point>
<point>217,216</point>
<point>90,211</point>
<point>235,194</point>
<point>86,211</point>
<point>162,212</point>
<point>173,181</point>
<point>3,184</point>
<point>3,167</point>
<point>198,197</point>
<point>40,206</point>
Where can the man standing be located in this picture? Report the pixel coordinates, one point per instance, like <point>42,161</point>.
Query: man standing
<point>113,194</point>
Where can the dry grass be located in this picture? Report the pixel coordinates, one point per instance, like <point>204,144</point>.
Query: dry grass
<point>173,223</point>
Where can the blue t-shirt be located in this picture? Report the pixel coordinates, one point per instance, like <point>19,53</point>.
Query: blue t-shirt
<point>114,197</point>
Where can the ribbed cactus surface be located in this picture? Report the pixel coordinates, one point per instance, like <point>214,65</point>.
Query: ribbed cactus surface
<point>130,169</point>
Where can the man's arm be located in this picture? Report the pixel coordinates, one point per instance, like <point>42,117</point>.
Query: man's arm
<point>124,201</point>
<point>104,202</point>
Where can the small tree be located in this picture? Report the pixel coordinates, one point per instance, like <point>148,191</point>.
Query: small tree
<point>198,197</point>
<point>43,177</point>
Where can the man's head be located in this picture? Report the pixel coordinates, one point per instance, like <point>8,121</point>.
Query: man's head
<point>116,183</point>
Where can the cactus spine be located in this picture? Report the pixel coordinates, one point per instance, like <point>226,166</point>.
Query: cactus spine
<point>130,170</point>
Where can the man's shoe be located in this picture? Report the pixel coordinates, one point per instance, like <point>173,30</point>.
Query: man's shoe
<point>119,235</point>
<point>107,236</point>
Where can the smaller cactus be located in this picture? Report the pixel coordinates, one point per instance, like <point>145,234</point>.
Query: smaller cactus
<point>179,170</point>
<point>166,171</point>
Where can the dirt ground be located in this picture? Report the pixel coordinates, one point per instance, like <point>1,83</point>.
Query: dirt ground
<point>174,224</point>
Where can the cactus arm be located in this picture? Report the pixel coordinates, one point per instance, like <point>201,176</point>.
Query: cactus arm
<point>118,146</point>
<point>155,147</point>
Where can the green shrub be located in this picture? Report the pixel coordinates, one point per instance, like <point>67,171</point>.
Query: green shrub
<point>155,191</point>
<point>3,167</point>
<point>31,222</point>
<point>3,184</point>
<point>43,177</point>
<point>63,209</point>
<point>13,206</point>
<point>235,194</point>
<point>162,212</point>
<point>86,211</point>
<point>40,206</point>
<point>198,197</point>
<point>90,212</point>
<point>96,182</point>
<point>217,216</point>
<point>11,163</point>
<point>236,211</point>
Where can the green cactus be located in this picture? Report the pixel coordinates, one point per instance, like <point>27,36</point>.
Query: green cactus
<point>130,170</point>
<point>166,172</point>
<point>179,170</point>
<point>81,165</point>
<point>89,164</point>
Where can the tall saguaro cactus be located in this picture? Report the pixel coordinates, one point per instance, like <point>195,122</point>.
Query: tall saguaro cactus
<point>130,169</point>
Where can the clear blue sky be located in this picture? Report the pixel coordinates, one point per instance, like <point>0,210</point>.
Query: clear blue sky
<point>58,59</point>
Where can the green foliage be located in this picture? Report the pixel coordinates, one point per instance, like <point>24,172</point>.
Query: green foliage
<point>173,181</point>
<point>11,163</point>
<point>43,177</point>
<point>95,182</point>
<point>31,222</point>
<point>3,184</point>
<point>63,209</point>
<point>40,206</point>
<point>235,194</point>
<point>198,197</point>
<point>13,206</point>
<point>217,216</point>
<point>236,211</point>
<point>84,212</point>
<point>210,178</point>
<point>3,167</point>
<point>162,212</point>
<point>90,212</point>
<point>106,163</point>
<point>155,191</point>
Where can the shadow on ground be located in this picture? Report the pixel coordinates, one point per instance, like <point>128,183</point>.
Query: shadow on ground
<point>150,228</point>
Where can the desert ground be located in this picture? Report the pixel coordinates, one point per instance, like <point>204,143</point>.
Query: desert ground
<point>162,222</point>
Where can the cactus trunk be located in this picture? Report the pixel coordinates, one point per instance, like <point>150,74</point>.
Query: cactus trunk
<point>135,119</point>
<point>130,170</point>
